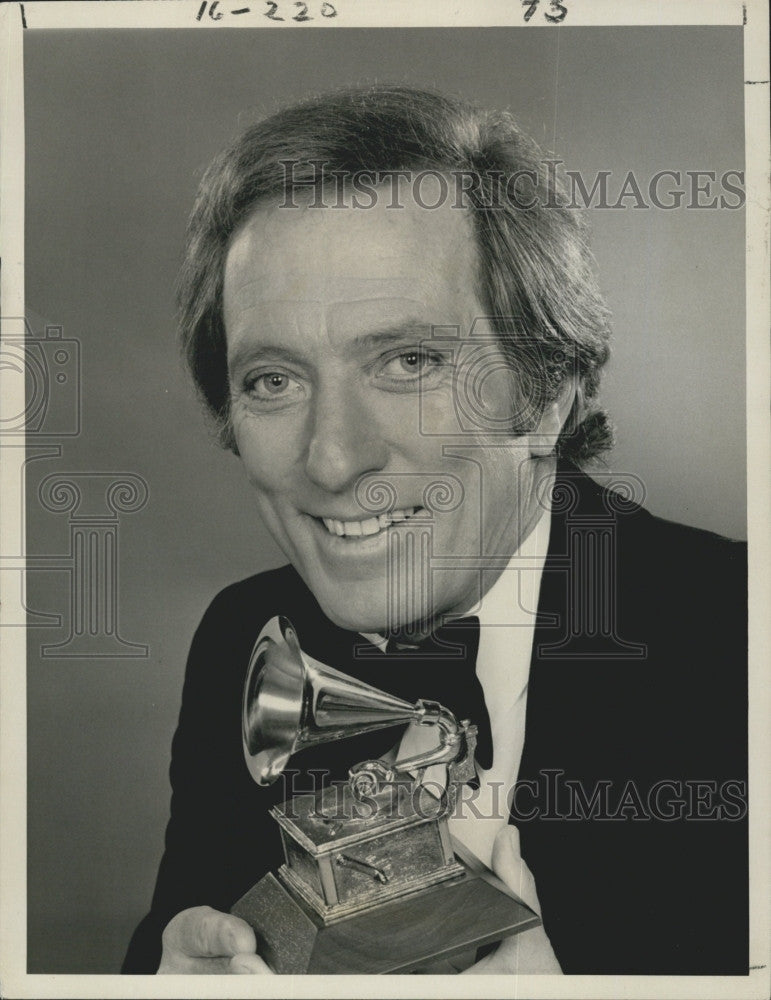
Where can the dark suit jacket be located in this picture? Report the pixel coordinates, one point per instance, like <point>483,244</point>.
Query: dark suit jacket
<point>638,677</point>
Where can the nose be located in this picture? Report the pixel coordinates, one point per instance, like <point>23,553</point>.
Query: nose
<point>344,441</point>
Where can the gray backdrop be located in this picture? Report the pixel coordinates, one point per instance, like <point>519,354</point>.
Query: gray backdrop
<point>119,126</point>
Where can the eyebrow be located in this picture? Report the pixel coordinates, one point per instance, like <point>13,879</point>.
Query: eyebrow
<point>400,332</point>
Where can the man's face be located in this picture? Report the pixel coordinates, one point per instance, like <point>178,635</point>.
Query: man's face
<point>335,376</point>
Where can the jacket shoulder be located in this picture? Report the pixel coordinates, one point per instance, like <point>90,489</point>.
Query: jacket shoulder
<point>684,553</point>
<point>653,536</point>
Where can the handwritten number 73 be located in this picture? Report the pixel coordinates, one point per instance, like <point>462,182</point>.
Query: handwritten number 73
<point>557,11</point>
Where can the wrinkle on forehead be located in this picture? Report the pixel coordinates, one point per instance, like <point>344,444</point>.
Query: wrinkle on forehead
<point>359,311</point>
<point>251,292</point>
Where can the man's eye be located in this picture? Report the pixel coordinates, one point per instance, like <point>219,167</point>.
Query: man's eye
<point>269,386</point>
<point>414,362</point>
<point>273,383</point>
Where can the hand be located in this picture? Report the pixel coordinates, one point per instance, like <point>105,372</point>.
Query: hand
<point>529,952</point>
<point>204,941</point>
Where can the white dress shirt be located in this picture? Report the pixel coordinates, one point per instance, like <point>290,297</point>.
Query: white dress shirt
<point>506,615</point>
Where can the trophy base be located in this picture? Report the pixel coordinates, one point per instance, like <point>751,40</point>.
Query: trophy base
<point>397,936</point>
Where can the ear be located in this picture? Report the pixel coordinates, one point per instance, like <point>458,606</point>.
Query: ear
<point>543,439</point>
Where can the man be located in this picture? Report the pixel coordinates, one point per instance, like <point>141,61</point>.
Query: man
<point>384,296</point>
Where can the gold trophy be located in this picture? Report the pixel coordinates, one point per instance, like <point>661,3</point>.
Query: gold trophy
<point>373,882</point>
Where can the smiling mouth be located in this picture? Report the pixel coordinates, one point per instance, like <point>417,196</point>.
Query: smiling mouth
<point>369,526</point>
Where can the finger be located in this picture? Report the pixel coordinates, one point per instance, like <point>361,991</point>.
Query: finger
<point>528,953</point>
<point>176,963</point>
<point>511,869</point>
<point>206,933</point>
<point>506,853</point>
<point>249,965</point>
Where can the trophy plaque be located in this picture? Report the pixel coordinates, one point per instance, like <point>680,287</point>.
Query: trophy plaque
<point>372,882</point>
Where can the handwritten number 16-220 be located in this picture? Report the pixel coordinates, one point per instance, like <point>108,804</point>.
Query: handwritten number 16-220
<point>281,11</point>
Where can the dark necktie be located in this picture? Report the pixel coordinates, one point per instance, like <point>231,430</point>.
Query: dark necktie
<point>440,668</point>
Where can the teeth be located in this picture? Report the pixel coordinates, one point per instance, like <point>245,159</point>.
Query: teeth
<point>370,526</point>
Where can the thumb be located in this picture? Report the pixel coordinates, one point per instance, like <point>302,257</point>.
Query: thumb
<point>249,965</point>
<point>207,933</point>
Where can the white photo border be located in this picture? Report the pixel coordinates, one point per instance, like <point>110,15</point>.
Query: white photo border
<point>15,20</point>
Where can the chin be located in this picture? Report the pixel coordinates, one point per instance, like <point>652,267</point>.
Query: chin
<point>355,616</point>
<point>352,622</point>
<point>353,612</point>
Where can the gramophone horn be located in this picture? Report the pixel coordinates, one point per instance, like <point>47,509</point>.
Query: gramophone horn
<point>292,701</point>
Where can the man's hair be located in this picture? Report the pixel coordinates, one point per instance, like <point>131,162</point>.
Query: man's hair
<point>536,277</point>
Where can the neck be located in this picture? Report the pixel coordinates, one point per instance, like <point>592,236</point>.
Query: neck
<point>532,505</point>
